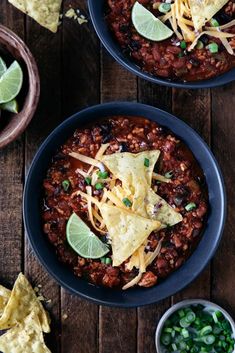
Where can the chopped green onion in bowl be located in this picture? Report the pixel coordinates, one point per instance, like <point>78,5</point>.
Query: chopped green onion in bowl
<point>209,329</point>
<point>164,7</point>
<point>213,47</point>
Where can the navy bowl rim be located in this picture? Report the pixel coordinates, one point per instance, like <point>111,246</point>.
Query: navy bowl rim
<point>123,105</point>
<point>217,81</point>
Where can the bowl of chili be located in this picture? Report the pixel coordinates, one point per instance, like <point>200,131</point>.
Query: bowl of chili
<point>34,193</point>
<point>167,62</point>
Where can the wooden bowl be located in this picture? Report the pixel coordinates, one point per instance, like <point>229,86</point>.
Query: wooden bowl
<point>11,45</point>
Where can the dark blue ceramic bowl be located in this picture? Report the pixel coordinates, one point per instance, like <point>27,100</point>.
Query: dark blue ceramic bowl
<point>136,296</point>
<point>96,8</point>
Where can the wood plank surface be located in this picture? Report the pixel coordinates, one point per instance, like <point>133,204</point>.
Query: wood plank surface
<point>77,72</point>
<point>46,48</point>
<point>223,145</point>
<point>80,87</point>
<point>118,327</point>
<point>11,177</point>
<point>194,107</point>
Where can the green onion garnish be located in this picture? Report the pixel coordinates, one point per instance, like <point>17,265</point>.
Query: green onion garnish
<point>108,261</point>
<point>146,162</point>
<point>164,7</point>
<point>66,184</point>
<point>183,44</point>
<point>169,174</point>
<point>214,22</point>
<point>213,48</point>
<point>199,45</point>
<point>88,180</point>
<point>103,175</point>
<point>190,206</point>
<point>99,186</point>
<point>127,202</point>
<point>103,260</point>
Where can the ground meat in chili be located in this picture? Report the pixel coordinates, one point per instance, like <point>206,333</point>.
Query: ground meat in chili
<point>126,134</point>
<point>166,58</point>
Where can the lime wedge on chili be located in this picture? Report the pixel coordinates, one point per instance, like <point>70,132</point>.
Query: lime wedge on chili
<point>11,106</point>
<point>11,83</point>
<point>3,67</point>
<point>83,240</point>
<point>149,26</point>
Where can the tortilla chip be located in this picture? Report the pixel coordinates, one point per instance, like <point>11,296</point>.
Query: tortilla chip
<point>158,209</point>
<point>21,302</point>
<point>203,11</point>
<point>26,337</point>
<point>4,297</point>
<point>45,12</point>
<point>127,231</point>
<point>130,167</point>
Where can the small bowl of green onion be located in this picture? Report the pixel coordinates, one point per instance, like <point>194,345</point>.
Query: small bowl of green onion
<point>195,326</point>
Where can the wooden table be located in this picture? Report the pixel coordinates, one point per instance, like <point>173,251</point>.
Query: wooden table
<point>77,72</point>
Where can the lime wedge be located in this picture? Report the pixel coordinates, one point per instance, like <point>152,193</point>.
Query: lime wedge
<point>11,83</point>
<point>83,240</point>
<point>149,26</point>
<point>11,106</point>
<point>3,67</point>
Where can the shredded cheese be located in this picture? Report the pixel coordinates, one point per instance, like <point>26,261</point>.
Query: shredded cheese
<point>91,211</point>
<point>85,159</point>
<point>112,197</point>
<point>161,178</point>
<point>215,34</point>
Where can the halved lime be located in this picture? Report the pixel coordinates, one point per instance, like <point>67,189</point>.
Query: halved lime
<point>149,26</point>
<point>83,240</point>
<point>11,83</point>
<point>11,106</point>
<point>3,67</point>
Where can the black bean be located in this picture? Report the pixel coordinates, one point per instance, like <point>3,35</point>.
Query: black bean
<point>124,28</point>
<point>124,147</point>
<point>107,138</point>
<point>194,62</point>
<point>204,39</point>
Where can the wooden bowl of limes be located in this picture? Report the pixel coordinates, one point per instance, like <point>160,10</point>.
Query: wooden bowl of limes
<point>19,86</point>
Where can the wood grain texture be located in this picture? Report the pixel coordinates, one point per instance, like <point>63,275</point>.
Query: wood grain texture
<point>223,144</point>
<point>194,107</point>
<point>11,176</point>
<point>149,316</point>
<point>80,87</point>
<point>46,47</point>
<point>118,327</point>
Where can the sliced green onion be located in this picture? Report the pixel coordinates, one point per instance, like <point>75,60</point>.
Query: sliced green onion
<point>199,45</point>
<point>66,184</point>
<point>214,22</point>
<point>206,330</point>
<point>181,313</point>
<point>108,261</point>
<point>184,322</point>
<point>166,339</point>
<point>164,7</point>
<point>169,174</point>
<point>146,162</point>
<point>99,186</point>
<point>88,180</point>
<point>174,347</point>
<point>103,175</point>
<point>127,202</point>
<point>102,260</point>
<point>183,44</point>
<point>190,206</point>
<point>209,340</point>
<point>185,333</point>
<point>213,48</point>
<point>190,316</point>
<point>180,55</point>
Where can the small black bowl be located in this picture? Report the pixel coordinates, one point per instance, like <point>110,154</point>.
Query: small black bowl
<point>135,296</point>
<point>97,13</point>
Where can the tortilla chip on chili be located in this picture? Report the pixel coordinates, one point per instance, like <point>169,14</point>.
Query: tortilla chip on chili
<point>203,11</point>
<point>25,337</point>
<point>45,12</point>
<point>127,231</point>
<point>4,297</point>
<point>21,303</point>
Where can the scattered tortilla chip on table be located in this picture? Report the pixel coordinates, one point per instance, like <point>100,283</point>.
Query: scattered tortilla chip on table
<point>25,337</point>
<point>4,297</point>
<point>21,303</point>
<point>45,12</point>
<point>127,231</point>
